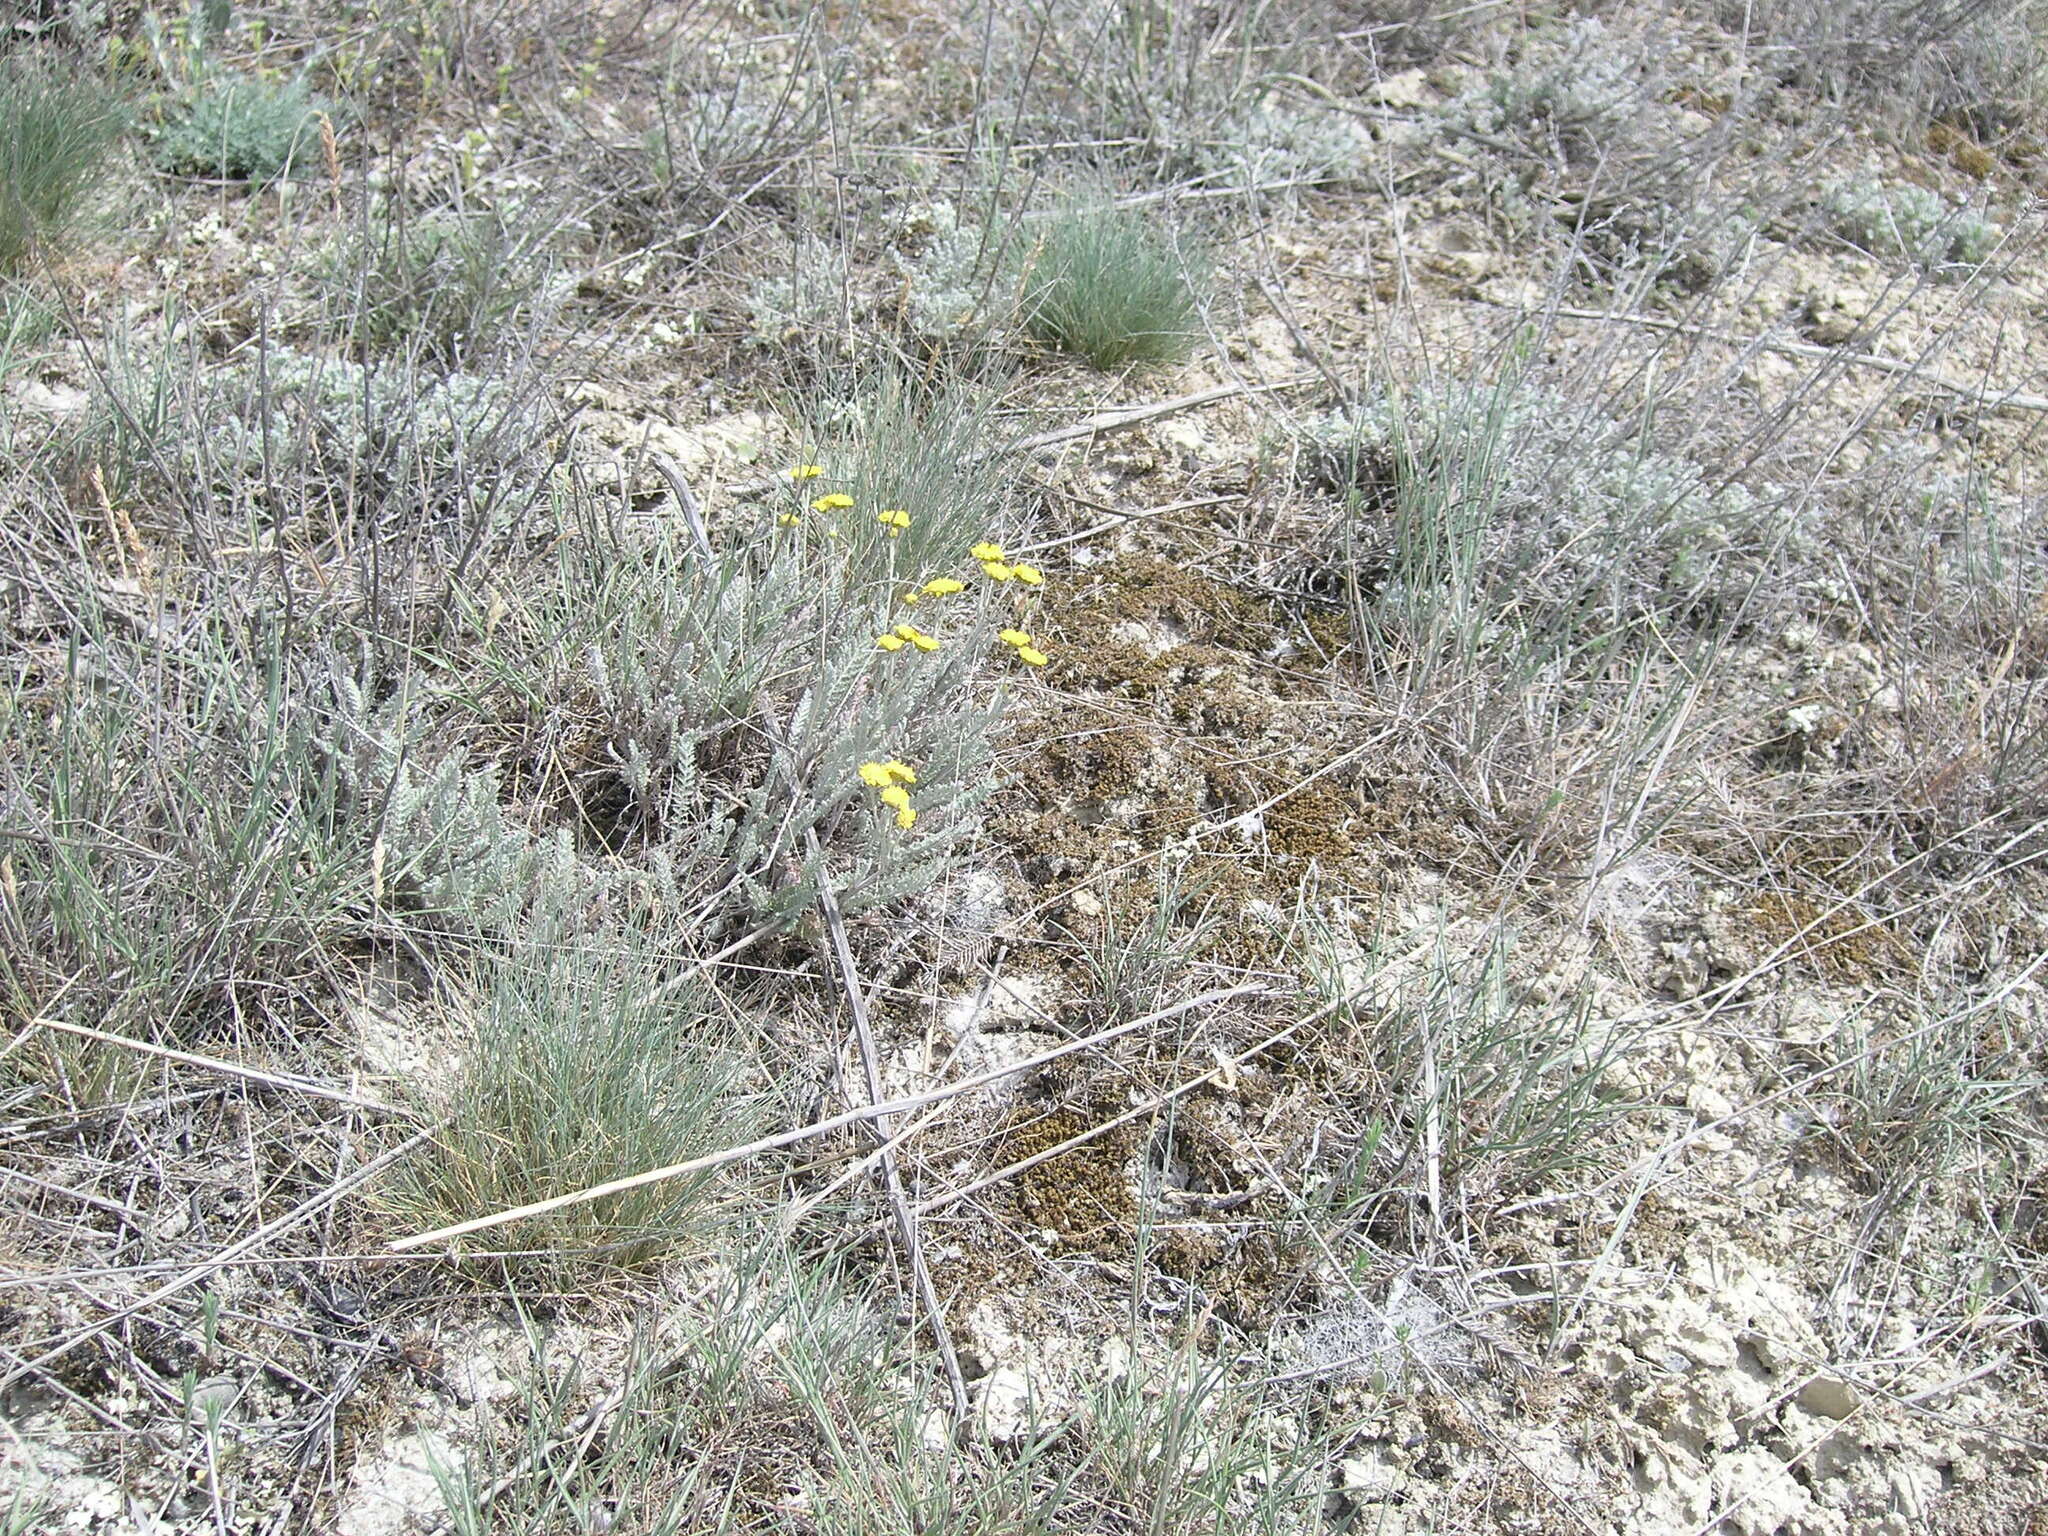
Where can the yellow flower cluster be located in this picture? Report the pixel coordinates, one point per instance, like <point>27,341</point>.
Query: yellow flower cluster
<point>890,778</point>
<point>832,501</point>
<point>997,568</point>
<point>906,634</point>
<point>1027,650</point>
<point>938,586</point>
<point>895,520</point>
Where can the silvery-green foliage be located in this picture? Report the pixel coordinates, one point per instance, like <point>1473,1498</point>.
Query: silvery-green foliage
<point>407,441</point>
<point>1281,141</point>
<point>242,128</point>
<point>357,408</point>
<point>1580,509</point>
<point>950,269</point>
<point>1576,88</point>
<point>804,292</point>
<point>738,697</point>
<point>447,851</point>
<point>1908,221</point>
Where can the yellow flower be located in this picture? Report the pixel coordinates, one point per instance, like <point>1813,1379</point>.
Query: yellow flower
<point>1030,575</point>
<point>1030,657</point>
<point>895,520</point>
<point>896,797</point>
<point>986,552</point>
<point>924,643</point>
<point>910,597</point>
<point>788,520</point>
<point>899,771</point>
<point>889,642</point>
<point>906,818</point>
<point>996,570</point>
<point>942,586</point>
<point>876,775</point>
<point>1014,637</point>
<point>832,502</point>
<point>804,471</point>
<point>907,631</point>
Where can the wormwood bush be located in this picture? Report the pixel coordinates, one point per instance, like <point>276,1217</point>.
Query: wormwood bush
<point>953,270</point>
<point>803,293</point>
<point>56,131</point>
<point>232,871</point>
<point>1276,140</point>
<point>716,707</point>
<point>448,282</point>
<point>1511,486</point>
<point>241,128</point>
<point>1910,222</point>
<point>288,433</point>
<point>1107,285</point>
<point>1575,88</point>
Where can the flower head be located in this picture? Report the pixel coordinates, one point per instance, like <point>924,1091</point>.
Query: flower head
<point>889,642</point>
<point>804,471</point>
<point>832,502</point>
<point>900,772</point>
<point>895,520</point>
<point>788,520</point>
<point>906,818</point>
<point>896,797</point>
<point>995,570</point>
<point>942,586</point>
<point>924,643</point>
<point>986,552</point>
<point>876,775</point>
<point>1027,650</point>
<point>907,631</point>
<point>1030,575</point>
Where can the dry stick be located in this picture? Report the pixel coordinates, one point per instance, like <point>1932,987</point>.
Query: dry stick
<point>816,1128</point>
<point>1116,420</point>
<point>303,1211</point>
<point>892,1176</point>
<point>1156,1102</point>
<point>2015,401</point>
<point>213,1064</point>
<point>1137,415</point>
<point>1119,519</point>
<point>1223,1065</point>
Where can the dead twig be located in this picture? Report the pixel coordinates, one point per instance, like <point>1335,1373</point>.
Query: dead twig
<point>305,1210</point>
<point>813,1131</point>
<point>214,1064</point>
<point>1983,396</point>
<point>892,1176</point>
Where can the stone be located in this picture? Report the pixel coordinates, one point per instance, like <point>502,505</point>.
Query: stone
<point>1408,90</point>
<point>1829,1397</point>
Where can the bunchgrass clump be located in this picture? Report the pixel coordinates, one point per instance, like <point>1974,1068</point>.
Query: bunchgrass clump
<point>1107,284</point>
<point>56,132</point>
<point>582,1064</point>
<point>242,128</point>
